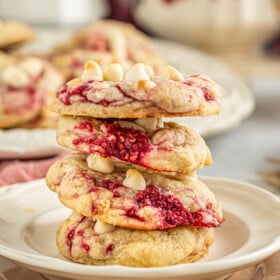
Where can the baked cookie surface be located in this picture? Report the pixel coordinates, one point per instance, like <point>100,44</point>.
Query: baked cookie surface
<point>129,198</point>
<point>121,41</point>
<point>139,93</point>
<point>148,143</point>
<point>71,63</point>
<point>24,86</point>
<point>45,119</point>
<point>14,33</point>
<point>77,240</point>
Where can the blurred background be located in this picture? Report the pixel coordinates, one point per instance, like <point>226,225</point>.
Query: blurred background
<point>235,42</point>
<point>245,33</point>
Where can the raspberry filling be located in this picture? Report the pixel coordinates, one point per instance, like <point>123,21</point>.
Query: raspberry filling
<point>84,246</point>
<point>84,93</point>
<point>112,187</point>
<point>69,96</point>
<point>126,144</point>
<point>109,249</point>
<point>172,211</point>
<point>170,208</point>
<point>208,95</point>
<point>79,93</point>
<point>14,101</point>
<point>71,234</point>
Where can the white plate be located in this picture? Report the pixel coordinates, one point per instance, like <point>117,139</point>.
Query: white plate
<point>237,102</point>
<point>30,213</point>
<point>28,143</point>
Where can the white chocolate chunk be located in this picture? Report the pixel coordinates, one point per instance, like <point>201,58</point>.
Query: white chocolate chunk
<point>134,180</point>
<point>32,66</point>
<point>92,71</point>
<point>145,85</point>
<point>150,124</point>
<point>130,125</point>
<point>149,71</point>
<point>173,74</point>
<point>101,227</point>
<point>113,72</point>
<point>100,164</point>
<point>160,123</point>
<point>74,83</point>
<point>15,76</point>
<point>137,72</point>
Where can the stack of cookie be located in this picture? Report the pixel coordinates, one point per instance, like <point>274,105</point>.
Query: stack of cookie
<point>132,183</point>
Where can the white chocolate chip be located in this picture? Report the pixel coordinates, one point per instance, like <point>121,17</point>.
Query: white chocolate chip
<point>15,76</point>
<point>137,72</point>
<point>130,125</point>
<point>134,180</point>
<point>74,83</point>
<point>150,124</point>
<point>145,85</point>
<point>160,123</point>
<point>32,66</point>
<point>149,71</point>
<point>113,72</point>
<point>173,74</point>
<point>100,164</point>
<point>101,227</point>
<point>92,71</point>
<point>101,85</point>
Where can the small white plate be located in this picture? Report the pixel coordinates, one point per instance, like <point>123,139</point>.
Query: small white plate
<point>30,213</point>
<point>28,143</point>
<point>238,101</point>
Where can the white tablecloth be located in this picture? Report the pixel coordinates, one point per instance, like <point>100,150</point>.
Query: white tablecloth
<point>238,154</point>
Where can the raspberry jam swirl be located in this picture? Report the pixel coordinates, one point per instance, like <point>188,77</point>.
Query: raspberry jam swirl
<point>19,100</point>
<point>125,144</point>
<point>170,209</point>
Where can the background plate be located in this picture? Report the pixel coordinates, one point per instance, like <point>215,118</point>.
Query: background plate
<point>28,143</point>
<point>30,213</point>
<point>238,101</point>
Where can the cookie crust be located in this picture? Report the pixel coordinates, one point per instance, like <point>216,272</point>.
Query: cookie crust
<point>77,241</point>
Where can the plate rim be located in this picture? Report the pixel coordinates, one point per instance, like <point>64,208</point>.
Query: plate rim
<point>63,266</point>
<point>245,109</point>
<point>51,148</point>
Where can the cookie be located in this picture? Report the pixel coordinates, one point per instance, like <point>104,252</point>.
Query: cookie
<point>24,87</point>
<point>122,41</point>
<point>45,119</point>
<point>71,63</point>
<point>137,94</point>
<point>5,59</point>
<point>130,198</point>
<point>78,241</point>
<point>14,33</point>
<point>148,143</point>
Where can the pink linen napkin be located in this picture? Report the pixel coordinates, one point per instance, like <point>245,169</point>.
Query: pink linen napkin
<point>16,171</point>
